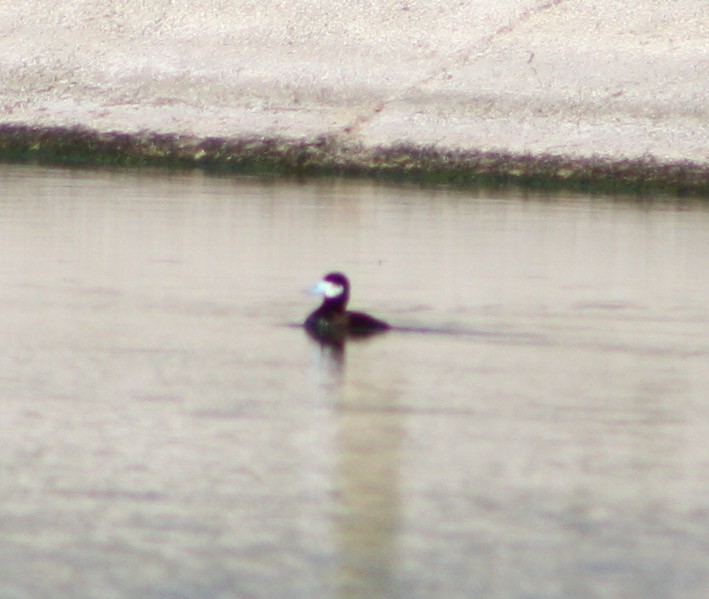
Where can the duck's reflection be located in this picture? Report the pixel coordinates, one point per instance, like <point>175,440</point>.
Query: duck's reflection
<point>367,487</point>
<point>330,361</point>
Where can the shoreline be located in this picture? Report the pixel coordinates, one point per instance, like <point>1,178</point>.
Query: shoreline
<point>328,156</point>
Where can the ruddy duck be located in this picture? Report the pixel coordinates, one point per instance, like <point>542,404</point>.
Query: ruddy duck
<point>331,321</point>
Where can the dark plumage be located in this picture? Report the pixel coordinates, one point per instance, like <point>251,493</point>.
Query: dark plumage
<point>332,321</point>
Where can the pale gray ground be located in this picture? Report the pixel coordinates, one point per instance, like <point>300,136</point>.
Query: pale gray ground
<point>579,78</point>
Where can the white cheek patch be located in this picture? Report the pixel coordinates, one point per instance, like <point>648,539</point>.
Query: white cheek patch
<point>329,289</point>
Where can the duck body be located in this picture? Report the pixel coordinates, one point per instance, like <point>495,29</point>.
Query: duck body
<point>332,320</point>
<point>324,324</point>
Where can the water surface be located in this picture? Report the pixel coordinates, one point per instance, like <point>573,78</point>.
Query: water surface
<point>539,429</point>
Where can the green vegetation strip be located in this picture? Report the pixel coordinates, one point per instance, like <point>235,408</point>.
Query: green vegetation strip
<point>329,156</point>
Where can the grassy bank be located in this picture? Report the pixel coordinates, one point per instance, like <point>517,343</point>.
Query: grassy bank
<point>328,156</point>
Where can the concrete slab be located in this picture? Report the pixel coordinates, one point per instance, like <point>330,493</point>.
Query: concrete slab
<point>571,78</point>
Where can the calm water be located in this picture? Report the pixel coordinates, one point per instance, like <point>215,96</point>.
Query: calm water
<point>166,433</point>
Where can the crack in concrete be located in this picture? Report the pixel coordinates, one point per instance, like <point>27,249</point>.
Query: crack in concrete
<point>453,60</point>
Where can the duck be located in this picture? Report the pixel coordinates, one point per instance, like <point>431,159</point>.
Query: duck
<point>332,321</point>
